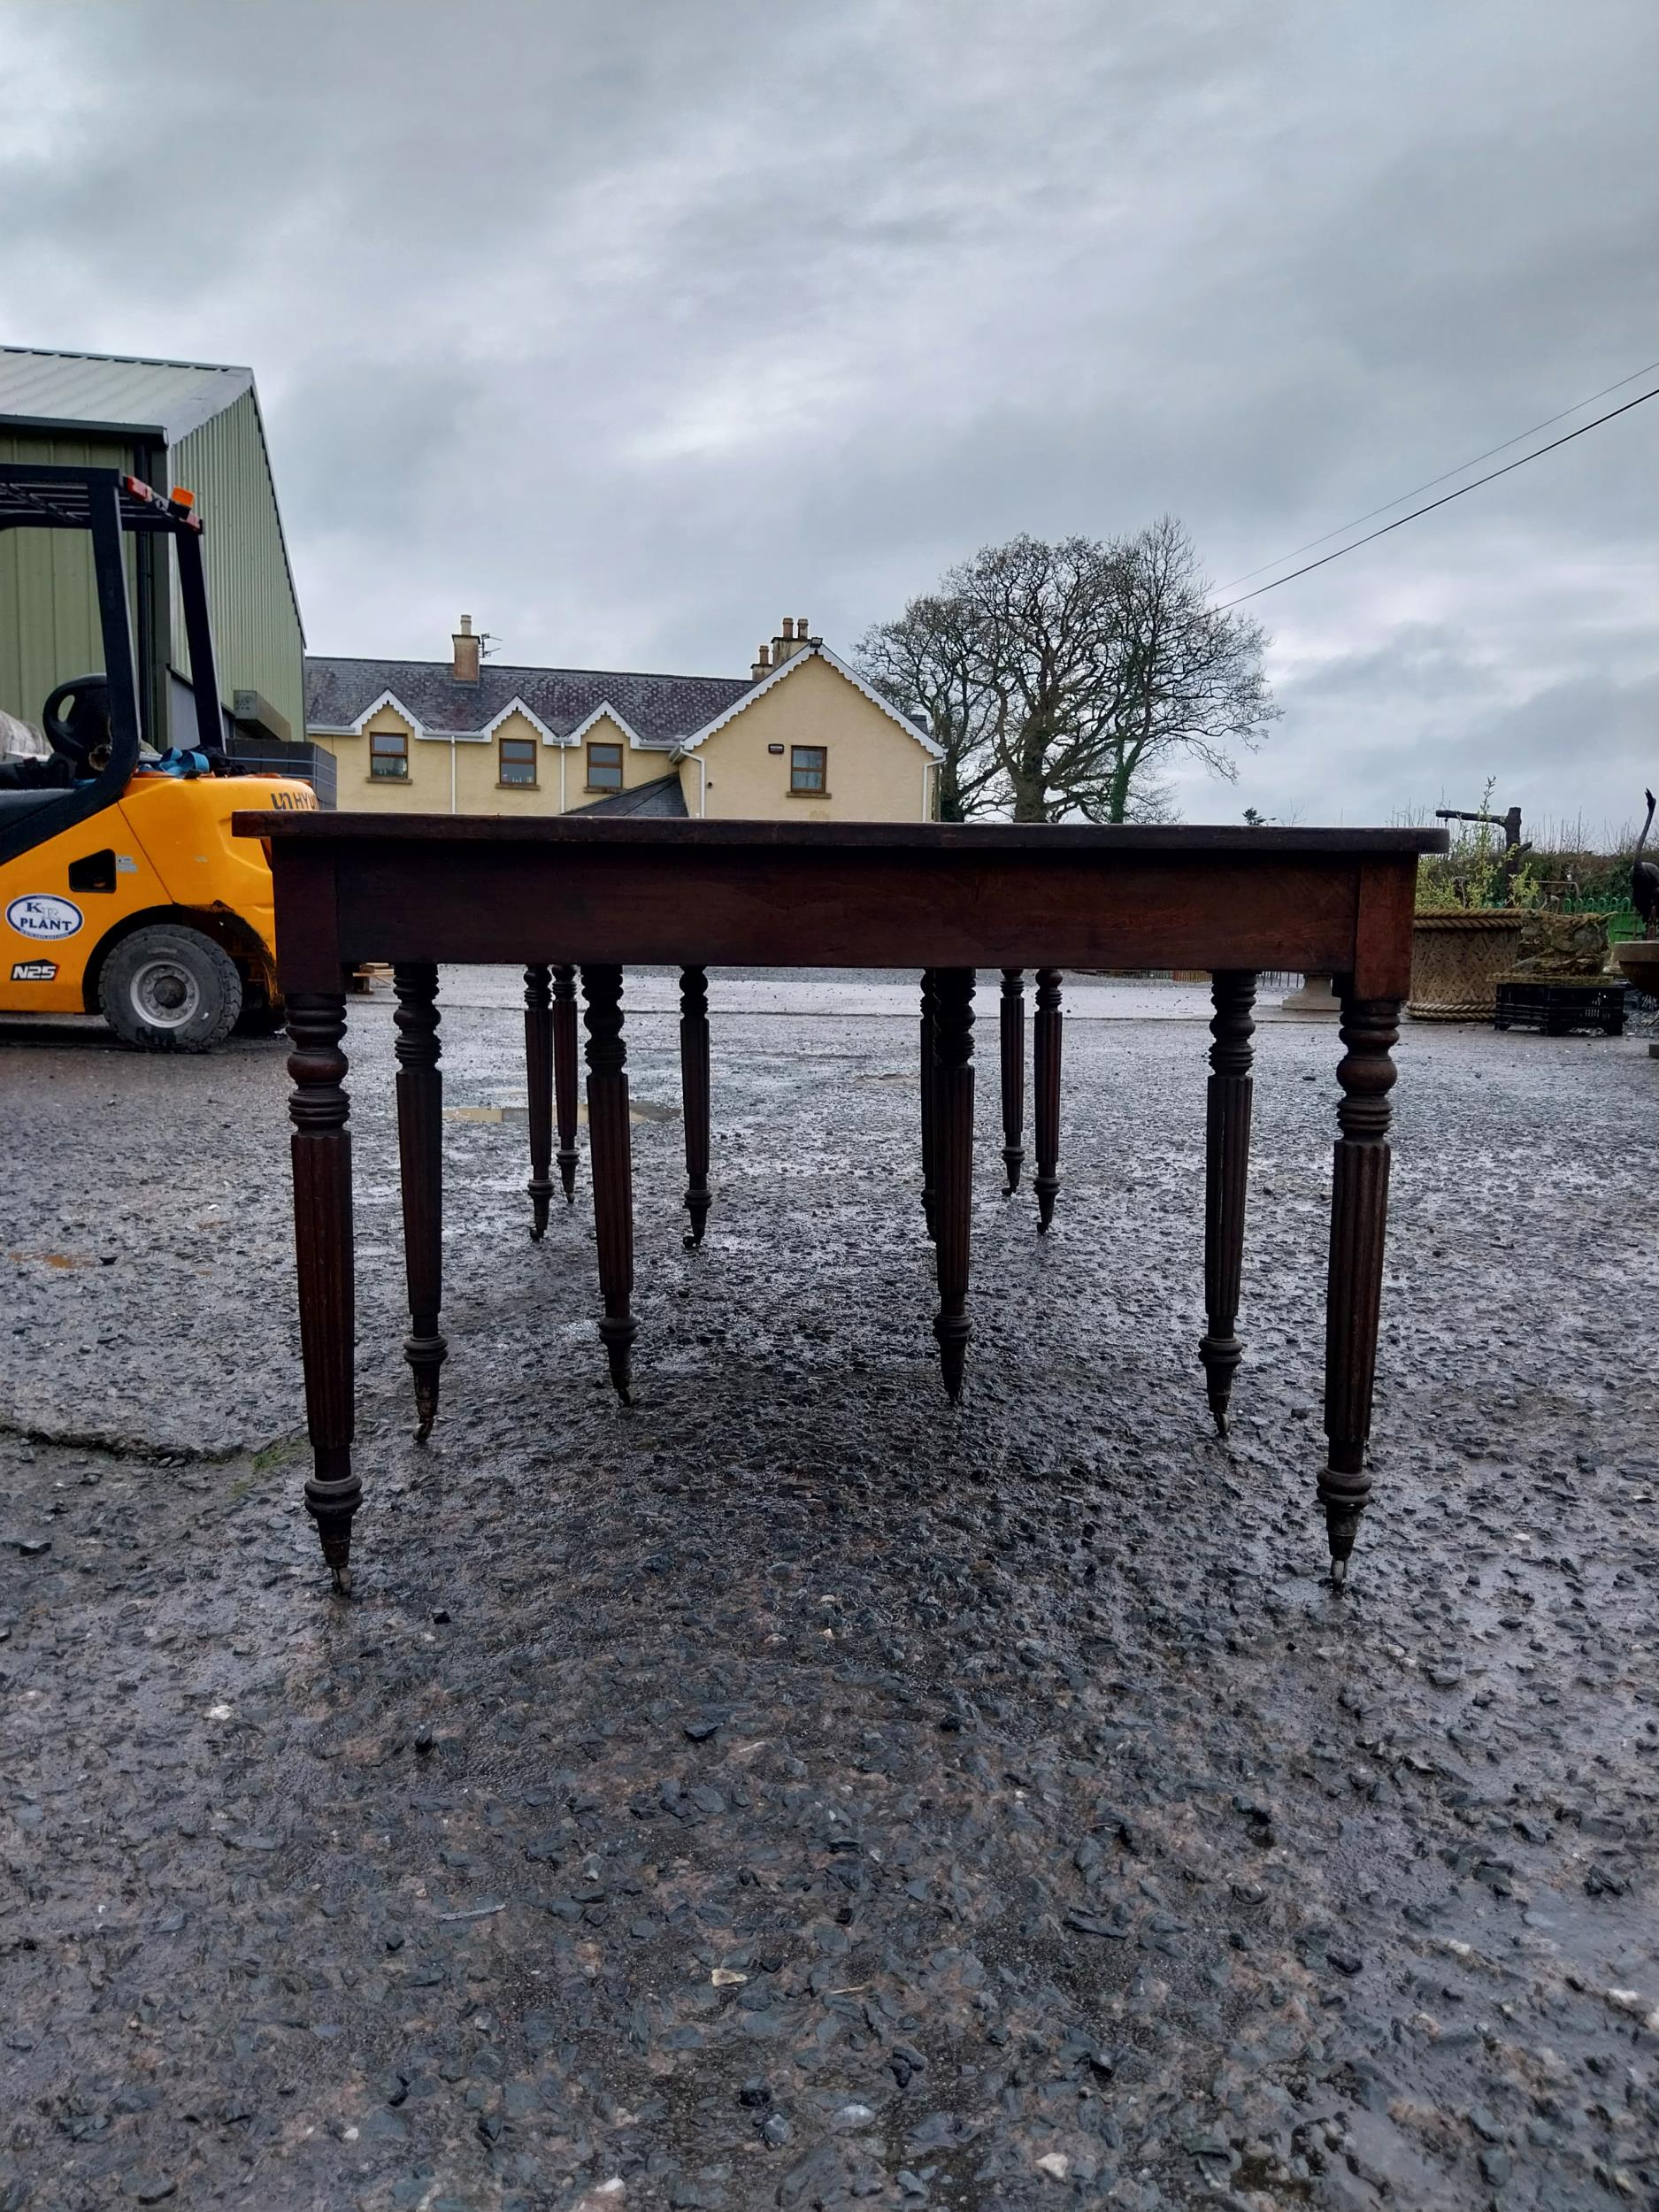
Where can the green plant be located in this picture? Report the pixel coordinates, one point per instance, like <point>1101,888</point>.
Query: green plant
<point>1481,870</point>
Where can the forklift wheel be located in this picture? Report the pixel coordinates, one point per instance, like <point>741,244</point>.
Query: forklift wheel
<point>169,990</point>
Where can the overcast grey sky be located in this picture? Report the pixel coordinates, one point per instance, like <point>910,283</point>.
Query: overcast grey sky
<point>628,327</point>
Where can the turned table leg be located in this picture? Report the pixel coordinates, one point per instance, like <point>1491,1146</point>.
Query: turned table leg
<point>319,1107</point>
<point>1013,1043</point>
<point>420,1162</point>
<point>564,1056</point>
<point>953,1109</point>
<point>609,1140</point>
<point>538,1063</point>
<point>1046,1085</point>
<point>1227,1171</point>
<point>929,1144</point>
<point>694,1095</point>
<point>1359,1210</point>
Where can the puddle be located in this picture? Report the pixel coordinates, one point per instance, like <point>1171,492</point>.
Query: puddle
<point>516,1111</point>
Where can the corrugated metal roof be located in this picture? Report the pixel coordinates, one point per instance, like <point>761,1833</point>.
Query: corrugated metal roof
<point>163,399</point>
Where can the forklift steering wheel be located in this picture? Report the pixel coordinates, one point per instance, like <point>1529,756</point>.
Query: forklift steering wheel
<point>82,735</point>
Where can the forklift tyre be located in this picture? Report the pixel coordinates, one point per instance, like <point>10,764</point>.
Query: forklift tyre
<point>166,990</point>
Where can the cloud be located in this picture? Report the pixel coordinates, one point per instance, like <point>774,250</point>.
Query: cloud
<point>627,329</point>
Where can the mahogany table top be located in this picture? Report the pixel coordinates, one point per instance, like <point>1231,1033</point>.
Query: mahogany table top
<point>354,888</point>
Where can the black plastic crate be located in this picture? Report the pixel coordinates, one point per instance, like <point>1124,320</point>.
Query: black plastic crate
<point>1557,1007</point>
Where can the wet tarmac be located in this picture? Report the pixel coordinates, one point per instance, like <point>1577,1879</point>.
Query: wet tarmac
<point>788,1792</point>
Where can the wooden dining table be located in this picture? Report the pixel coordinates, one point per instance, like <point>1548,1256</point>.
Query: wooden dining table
<point>568,899</point>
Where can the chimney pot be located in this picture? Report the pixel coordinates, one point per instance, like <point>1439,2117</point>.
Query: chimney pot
<point>801,628</point>
<point>765,656</point>
<point>466,650</point>
<point>788,629</point>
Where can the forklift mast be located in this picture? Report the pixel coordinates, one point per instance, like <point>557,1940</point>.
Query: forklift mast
<point>104,504</point>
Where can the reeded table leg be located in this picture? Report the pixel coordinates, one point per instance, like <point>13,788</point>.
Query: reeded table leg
<point>538,1067</point>
<point>1359,1212</point>
<point>321,1148</point>
<point>609,1137</point>
<point>420,1161</point>
<point>694,1095</point>
<point>1045,1072</point>
<point>953,1106</point>
<point>564,1054</point>
<point>1013,1043</point>
<point>1226,1173</point>
<point>929,1144</point>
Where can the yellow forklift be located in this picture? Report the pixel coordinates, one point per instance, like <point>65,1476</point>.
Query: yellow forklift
<point>122,891</point>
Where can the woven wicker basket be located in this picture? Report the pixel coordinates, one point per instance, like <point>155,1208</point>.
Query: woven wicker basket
<point>1457,957</point>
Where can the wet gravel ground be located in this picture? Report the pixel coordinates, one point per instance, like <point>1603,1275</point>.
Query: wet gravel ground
<point>788,1792</point>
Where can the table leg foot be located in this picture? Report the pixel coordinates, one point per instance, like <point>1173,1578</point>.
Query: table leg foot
<point>319,1107</point>
<point>425,1356</point>
<point>1359,1212</point>
<point>1221,1357</point>
<point>538,1062</point>
<point>332,1506</point>
<point>953,1355</point>
<point>1046,1085</point>
<point>1013,1051</point>
<point>694,1091</point>
<point>617,1338</point>
<point>609,1139</point>
<point>565,1044</point>
<point>1342,1526</point>
<point>953,1205</point>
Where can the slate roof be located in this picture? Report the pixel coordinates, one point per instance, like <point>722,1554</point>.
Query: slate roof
<point>95,391</point>
<point>660,709</point>
<point>663,796</point>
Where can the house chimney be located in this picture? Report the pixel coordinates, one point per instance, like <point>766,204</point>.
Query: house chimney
<point>466,664</point>
<point>763,661</point>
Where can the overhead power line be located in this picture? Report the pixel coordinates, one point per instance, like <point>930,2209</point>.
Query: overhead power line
<point>1445,476</point>
<point>1445,500</point>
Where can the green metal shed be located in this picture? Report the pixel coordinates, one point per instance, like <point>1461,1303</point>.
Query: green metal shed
<point>174,424</point>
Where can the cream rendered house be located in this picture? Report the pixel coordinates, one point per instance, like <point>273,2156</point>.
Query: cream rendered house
<point>802,737</point>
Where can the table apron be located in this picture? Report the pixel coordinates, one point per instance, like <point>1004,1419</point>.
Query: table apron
<point>713,908</point>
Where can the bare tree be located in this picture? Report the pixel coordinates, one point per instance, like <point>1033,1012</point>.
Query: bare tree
<point>1188,676</point>
<point>1079,673</point>
<point>926,663</point>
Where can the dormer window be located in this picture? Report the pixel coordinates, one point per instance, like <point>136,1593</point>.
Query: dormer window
<point>388,753</point>
<point>518,760</point>
<point>604,767</point>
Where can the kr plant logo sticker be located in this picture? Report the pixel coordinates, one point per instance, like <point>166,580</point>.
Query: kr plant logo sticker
<point>42,914</point>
